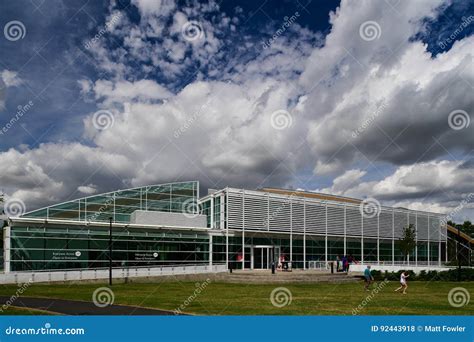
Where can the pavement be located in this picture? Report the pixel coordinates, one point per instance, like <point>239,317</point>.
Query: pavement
<point>74,307</point>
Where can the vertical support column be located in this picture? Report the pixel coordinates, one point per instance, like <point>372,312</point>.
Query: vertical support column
<point>439,243</point>
<point>378,239</point>
<point>146,198</point>
<point>212,211</point>
<point>268,212</point>
<point>326,239</point>
<point>429,256</point>
<point>362,239</point>
<point>345,230</point>
<point>243,228</point>
<point>226,195</point>
<point>6,249</point>
<point>141,198</point>
<point>393,237</point>
<point>446,242</point>
<point>416,239</point>
<point>291,232</point>
<point>210,250</point>
<point>408,224</point>
<point>304,233</point>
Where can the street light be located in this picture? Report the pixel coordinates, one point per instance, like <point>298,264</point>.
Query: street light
<point>459,253</point>
<point>110,252</point>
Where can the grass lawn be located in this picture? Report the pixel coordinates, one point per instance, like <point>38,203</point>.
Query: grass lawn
<point>423,298</point>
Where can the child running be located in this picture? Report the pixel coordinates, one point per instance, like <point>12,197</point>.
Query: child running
<point>403,283</point>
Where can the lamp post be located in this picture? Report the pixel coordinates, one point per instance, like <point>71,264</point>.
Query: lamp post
<point>110,252</point>
<point>459,253</point>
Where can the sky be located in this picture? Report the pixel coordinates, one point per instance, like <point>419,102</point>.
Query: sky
<point>365,99</point>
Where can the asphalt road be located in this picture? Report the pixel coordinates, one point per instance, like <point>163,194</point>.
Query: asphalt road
<point>74,307</point>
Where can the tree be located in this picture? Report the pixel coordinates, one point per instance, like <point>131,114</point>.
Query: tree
<point>408,242</point>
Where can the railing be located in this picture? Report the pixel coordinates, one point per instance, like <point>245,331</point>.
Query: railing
<point>103,273</point>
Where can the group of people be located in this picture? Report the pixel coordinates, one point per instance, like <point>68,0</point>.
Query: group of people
<point>403,280</point>
<point>343,263</point>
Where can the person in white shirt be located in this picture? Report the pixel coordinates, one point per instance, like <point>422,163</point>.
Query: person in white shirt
<point>403,283</point>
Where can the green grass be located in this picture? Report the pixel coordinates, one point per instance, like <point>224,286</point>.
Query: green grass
<point>423,298</point>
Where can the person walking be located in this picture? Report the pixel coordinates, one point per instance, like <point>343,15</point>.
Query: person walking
<point>368,278</point>
<point>403,283</point>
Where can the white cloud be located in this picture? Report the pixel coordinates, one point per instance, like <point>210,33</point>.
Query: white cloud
<point>87,189</point>
<point>10,78</point>
<point>221,132</point>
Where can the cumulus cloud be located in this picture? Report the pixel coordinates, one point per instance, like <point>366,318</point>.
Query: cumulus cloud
<point>197,111</point>
<point>438,186</point>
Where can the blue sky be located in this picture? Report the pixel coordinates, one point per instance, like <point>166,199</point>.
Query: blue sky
<point>365,113</point>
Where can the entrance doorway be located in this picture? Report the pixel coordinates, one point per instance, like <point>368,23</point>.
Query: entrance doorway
<point>262,256</point>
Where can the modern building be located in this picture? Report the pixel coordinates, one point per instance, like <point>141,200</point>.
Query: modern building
<point>168,224</point>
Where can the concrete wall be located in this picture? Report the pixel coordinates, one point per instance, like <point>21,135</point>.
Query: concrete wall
<point>168,219</point>
<point>117,273</point>
<point>395,268</point>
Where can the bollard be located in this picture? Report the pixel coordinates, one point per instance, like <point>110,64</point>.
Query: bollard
<point>230,267</point>
<point>332,267</point>
<point>273,267</point>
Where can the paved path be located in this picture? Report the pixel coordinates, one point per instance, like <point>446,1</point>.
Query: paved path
<point>74,307</point>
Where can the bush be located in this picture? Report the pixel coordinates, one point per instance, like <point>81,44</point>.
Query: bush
<point>467,274</point>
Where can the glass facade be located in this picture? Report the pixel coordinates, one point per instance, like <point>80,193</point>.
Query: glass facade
<point>172,197</point>
<point>306,232</point>
<point>36,248</point>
